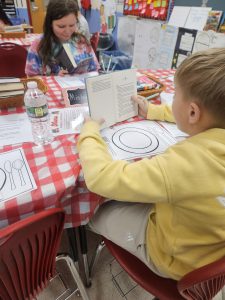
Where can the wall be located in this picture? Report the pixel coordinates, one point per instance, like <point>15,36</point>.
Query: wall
<point>215,4</point>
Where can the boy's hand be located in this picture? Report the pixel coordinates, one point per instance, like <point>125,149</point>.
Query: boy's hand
<point>142,105</point>
<point>99,121</point>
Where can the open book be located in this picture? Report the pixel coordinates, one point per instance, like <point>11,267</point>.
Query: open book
<point>109,96</point>
<point>66,60</point>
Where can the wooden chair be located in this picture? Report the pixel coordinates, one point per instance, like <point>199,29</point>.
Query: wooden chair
<point>28,251</point>
<point>12,60</point>
<point>201,284</point>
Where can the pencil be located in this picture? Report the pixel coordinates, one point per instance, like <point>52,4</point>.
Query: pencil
<point>109,63</point>
<point>113,67</point>
<point>152,96</point>
<point>103,65</point>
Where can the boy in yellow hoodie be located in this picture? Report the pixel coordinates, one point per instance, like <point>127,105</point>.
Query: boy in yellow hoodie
<point>170,209</point>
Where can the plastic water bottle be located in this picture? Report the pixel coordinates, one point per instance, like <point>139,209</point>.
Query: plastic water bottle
<point>37,110</point>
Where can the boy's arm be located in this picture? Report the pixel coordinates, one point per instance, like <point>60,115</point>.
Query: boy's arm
<point>160,113</point>
<point>140,181</point>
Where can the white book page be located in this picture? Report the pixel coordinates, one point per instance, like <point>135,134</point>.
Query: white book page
<point>109,96</point>
<point>125,86</point>
<point>101,99</point>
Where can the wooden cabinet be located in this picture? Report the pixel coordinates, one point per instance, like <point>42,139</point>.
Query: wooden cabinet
<point>38,10</point>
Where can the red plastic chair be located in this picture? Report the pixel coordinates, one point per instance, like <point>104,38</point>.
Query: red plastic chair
<point>94,41</point>
<point>201,284</point>
<point>12,60</point>
<point>28,251</point>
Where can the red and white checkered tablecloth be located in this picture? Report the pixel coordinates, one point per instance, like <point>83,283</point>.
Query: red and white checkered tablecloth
<point>57,171</point>
<point>25,42</point>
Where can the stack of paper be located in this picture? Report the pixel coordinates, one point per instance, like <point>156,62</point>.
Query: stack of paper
<point>14,28</point>
<point>10,87</point>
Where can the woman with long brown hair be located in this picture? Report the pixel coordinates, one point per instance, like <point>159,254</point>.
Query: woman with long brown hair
<point>60,27</point>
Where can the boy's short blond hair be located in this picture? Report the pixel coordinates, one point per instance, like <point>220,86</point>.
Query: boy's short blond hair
<point>201,76</point>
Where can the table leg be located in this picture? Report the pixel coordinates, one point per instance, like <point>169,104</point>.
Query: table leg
<point>83,247</point>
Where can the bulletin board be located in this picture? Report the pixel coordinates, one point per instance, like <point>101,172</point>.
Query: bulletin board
<point>152,9</point>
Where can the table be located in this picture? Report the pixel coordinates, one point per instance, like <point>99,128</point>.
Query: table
<point>57,171</point>
<point>25,42</point>
<point>58,176</point>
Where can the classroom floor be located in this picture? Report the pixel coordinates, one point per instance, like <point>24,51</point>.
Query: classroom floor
<point>109,281</point>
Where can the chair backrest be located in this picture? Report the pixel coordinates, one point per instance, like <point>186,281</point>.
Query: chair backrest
<point>201,284</point>
<point>28,251</point>
<point>94,41</point>
<point>12,60</point>
<point>205,282</point>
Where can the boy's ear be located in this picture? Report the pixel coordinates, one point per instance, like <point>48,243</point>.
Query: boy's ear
<point>194,113</point>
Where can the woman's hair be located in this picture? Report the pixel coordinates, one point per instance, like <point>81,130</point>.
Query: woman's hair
<point>3,17</point>
<point>201,77</point>
<point>56,10</point>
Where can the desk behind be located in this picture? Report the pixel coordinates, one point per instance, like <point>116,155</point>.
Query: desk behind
<point>23,41</point>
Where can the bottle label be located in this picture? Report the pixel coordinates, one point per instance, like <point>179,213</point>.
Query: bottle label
<point>37,112</point>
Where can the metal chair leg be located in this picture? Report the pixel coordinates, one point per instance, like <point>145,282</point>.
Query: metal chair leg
<point>95,257</point>
<point>71,232</point>
<point>83,247</point>
<point>75,274</point>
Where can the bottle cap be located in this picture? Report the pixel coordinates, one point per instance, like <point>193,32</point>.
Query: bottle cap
<point>32,84</point>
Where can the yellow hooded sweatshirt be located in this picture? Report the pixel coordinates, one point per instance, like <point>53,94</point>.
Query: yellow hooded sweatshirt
<point>186,227</point>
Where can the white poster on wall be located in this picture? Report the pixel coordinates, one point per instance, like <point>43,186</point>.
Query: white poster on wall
<point>208,39</point>
<point>146,46</point>
<point>107,11</point>
<point>126,34</point>
<point>168,38</point>
<point>197,17</point>
<point>179,16</point>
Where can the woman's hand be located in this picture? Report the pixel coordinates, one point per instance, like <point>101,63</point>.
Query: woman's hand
<point>62,72</point>
<point>142,105</point>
